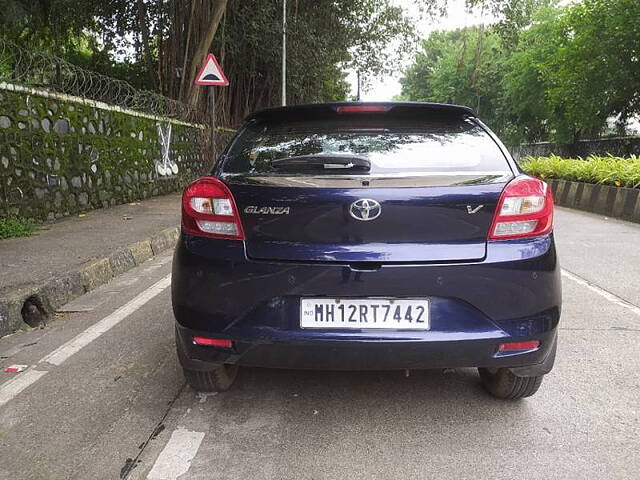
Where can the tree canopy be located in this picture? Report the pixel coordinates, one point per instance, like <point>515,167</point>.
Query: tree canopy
<point>541,72</point>
<point>159,44</point>
<point>555,73</point>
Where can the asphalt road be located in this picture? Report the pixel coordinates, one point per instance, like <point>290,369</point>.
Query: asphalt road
<point>112,404</point>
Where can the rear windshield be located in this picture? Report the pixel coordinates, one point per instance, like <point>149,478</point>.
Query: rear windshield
<point>405,147</point>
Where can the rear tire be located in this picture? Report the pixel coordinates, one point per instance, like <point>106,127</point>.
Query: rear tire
<point>217,380</point>
<point>502,383</point>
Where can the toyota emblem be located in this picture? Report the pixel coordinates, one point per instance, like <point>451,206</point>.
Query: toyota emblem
<point>365,209</point>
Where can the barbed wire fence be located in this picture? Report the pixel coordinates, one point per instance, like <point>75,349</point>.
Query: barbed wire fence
<point>40,70</point>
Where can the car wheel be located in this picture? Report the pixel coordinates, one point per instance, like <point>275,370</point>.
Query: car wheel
<point>502,383</point>
<point>217,380</point>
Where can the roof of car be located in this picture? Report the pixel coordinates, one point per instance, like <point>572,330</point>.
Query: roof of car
<point>327,109</point>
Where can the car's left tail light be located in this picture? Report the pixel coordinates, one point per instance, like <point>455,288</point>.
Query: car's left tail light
<point>209,210</point>
<point>525,210</point>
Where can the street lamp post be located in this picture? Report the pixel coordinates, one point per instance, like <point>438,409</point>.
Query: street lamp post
<point>284,53</point>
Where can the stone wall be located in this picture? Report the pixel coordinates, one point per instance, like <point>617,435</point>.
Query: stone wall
<point>61,155</point>
<point>619,147</point>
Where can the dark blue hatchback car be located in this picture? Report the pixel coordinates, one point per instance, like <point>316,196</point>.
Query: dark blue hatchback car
<point>367,236</point>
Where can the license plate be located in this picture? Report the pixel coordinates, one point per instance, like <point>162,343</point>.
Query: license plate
<point>382,313</point>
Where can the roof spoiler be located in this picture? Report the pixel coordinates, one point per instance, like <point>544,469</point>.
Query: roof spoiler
<point>324,110</point>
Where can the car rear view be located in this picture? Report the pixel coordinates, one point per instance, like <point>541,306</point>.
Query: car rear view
<point>367,236</point>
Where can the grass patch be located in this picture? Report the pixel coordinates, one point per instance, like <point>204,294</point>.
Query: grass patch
<point>617,171</point>
<point>16,227</point>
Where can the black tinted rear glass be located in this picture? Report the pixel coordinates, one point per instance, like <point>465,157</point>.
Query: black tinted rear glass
<point>404,146</point>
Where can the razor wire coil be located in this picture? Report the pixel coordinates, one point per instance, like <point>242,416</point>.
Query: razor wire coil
<point>44,71</point>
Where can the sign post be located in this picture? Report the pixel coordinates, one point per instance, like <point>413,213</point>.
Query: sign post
<point>214,151</point>
<point>211,75</point>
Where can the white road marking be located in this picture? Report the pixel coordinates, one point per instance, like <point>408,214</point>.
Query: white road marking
<point>175,458</point>
<point>62,353</point>
<point>15,386</point>
<point>603,293</point>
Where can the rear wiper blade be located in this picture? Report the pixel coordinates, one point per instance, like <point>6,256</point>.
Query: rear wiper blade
<point>323,162</point>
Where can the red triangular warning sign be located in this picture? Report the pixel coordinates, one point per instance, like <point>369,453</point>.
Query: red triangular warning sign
<point>211,74</point>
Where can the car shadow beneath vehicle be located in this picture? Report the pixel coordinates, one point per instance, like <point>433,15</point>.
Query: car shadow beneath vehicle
<point>455,381</point>
<point>366,392</point>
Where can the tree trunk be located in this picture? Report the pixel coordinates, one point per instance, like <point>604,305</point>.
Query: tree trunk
<point>186,49</point>
<point>217,9</point>
<point>146,51</point>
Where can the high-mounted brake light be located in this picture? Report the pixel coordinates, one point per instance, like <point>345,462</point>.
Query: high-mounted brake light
<point>525,210</point>
<point>363,109</point>
<point>208,210</point>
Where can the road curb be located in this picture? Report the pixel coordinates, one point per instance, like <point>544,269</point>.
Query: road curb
<point>615,202</point>
<point>34,304</point>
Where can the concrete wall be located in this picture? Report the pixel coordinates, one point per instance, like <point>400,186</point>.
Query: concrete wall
<point>61,155</point>
<point>620,147</point>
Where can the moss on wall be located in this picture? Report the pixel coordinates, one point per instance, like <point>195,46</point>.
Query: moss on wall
<point>59,157</point>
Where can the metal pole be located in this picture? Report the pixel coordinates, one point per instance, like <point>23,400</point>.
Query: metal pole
<point>358,97</point>
<point>284,53</point>
<point>212,93</point>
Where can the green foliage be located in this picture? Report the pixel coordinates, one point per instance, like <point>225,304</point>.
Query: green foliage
<point>621,172</point>
<point>459,67</point>
<point>524,90</point>
<point>542,72</point>
<point>574,68</point>
<point>16,227</point>
<point>595,72</point>
<point>130,40</point>
<point>324,38</point>
<point>557,74</point>
<point>52,26</point>
<point>88,33</point>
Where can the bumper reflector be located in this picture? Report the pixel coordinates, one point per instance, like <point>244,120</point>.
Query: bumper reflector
<point>514,346</point>
<point>213,342</point>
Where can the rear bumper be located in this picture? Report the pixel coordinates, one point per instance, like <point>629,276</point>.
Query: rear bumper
<point>378,355</point>
<point>512,295</point>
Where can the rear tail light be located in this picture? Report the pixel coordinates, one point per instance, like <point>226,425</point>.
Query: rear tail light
<point>525,210</point>
<point>208,210</point>
<point>363,109</point>
<point>213,342</point>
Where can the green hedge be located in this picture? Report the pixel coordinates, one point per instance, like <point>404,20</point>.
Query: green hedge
<point>621,172</point>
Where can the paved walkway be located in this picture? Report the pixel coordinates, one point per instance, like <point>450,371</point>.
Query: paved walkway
<point>73,256</point>
<point>73,241</point>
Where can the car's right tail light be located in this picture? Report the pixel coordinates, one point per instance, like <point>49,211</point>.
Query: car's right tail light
<point>209,210</point>
<point>525,210</point>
